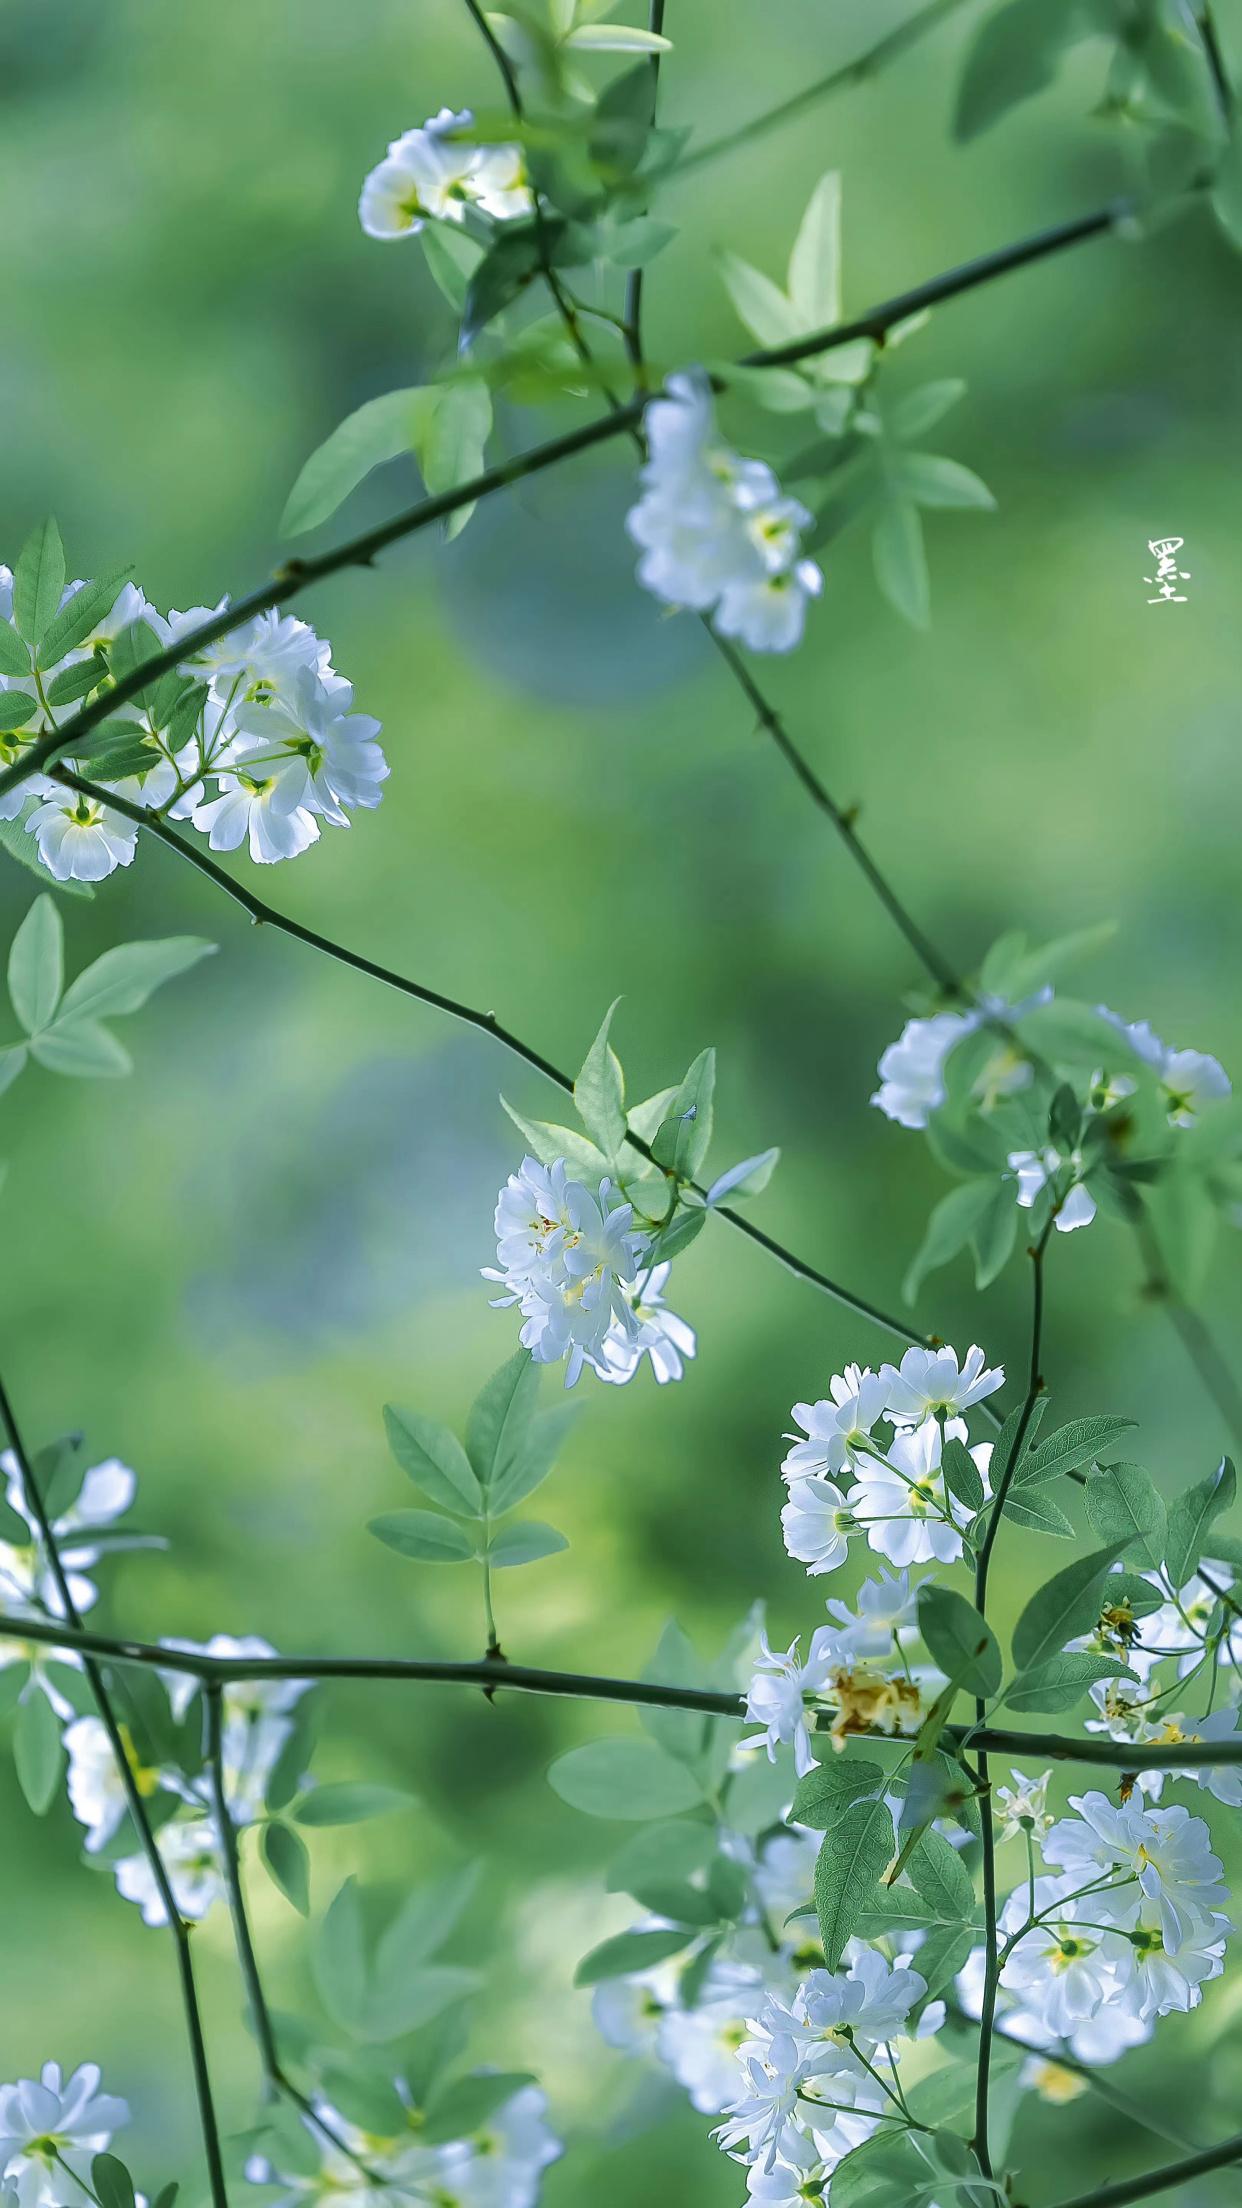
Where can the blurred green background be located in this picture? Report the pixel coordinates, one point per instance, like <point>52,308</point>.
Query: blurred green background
<point>222,1268</point>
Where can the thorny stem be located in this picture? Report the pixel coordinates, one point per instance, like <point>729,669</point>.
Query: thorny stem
<point>297,575</point>
<point>991,1977</point>
<point>1108,1754</point>
<point>71,1636</point>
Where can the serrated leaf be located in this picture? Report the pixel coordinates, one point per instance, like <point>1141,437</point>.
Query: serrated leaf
<point>79,616</point>
<point>37,965</point>
<point>630,1779</point>
<point>81,1048</point>
<point>1191,1517</point>
<point>38,580</point>
<point>526,1543</point>
<point>16,708</point>
<point>424,1536</point>
<point>628,1952</point>
<point>14,654</point>
<point>349,1802</point>
<point>287,1863</point>
<point>599,1091</point>
<point>379,431</point>
<point>960,1641</point>
<point>1038,1513</point>
<point>855,1853</point>
<point>124,979</point>
<point>1068,1604</point>
<point>1069,1447</point>
<point>1063,1680</point>
<point>1123,1505</point>
<point>432,1456</point>
<point>75,681</point>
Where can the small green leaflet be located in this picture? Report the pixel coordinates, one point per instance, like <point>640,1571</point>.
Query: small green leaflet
<point>960,1641</point>
<point>1191,1518</point>
<point>1067,1605</point>
<point>631,1779</point>
<point>430,1455</point>
<point>853,1857</point>
<point>1123,1505</point>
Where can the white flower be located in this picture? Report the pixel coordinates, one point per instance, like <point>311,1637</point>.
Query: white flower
<point>1035,1168</point>
<point>626,2012</point>
<point>81,840</point>
<point>816,1525</point>
<point>262,806</point>
<point>715,531</point>
<point>850,2014</point>
<point>661,1335</point>
<point>433,174</point>
<point>341,764</point>
<point>567,1258</point>
<point>800,2175</point>
<point>1156,1977</point>
<point>97,1794</point>
<point>838,1427</point>
<point>26,1582</point>
<point>191,1857</point>
<point>774,1698</point>
<point>1190,1078</point>
<point>363,2171</point>
<point>1122,1704</point>
<point>886,1611</point>
<point>498,2166</point>
<point>912,1069</point>
<point>904,1507</point>
<point>765,2116</point>
<point>783,1874</point>
<point>1023,1807</point>
<point>1168,1851</point>
<point>1224,1780</point>
<point>930,1382</point>
<point>53,2123</point>
<point>1059,1970</point>
<point>700,2045</point>
<point>255,1717</point>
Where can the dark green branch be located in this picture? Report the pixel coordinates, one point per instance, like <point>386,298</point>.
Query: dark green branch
<point>1128,2189</point>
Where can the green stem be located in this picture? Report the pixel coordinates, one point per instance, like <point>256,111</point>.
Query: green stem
<point>1129,2189</point>
<point>178,1929</point>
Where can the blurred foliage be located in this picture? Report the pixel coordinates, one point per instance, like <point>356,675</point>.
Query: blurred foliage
<point>223,1268</point>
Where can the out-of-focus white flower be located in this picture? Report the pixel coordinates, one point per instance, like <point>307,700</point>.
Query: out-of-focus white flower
<point>715,531</point>
<point>930,1383</point>
<point>912,1069</point>
<point>27,1585</point>
<point>191,1857</point>
<point>886,1611</point>
<point>1036,1168</point>
<point>1190,1078</point>
<point>432,174</point>
<point>1023,1807</point>
<point>52,2126</point>
<point>661,1335</point>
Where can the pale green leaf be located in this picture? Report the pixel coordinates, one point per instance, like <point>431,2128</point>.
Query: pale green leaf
<point>122,980</point>
<point>37,965</point>
<point>815,262</point>
<point>376,432</point>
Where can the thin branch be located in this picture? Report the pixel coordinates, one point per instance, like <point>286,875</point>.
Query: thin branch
<point>297,575</point>
<point>1112,1755</point>
<point>1129,2189</point>
<point>267,915</point>
<point>72,1638</point>
<point>632,311</point>
<point>1159,2126</point>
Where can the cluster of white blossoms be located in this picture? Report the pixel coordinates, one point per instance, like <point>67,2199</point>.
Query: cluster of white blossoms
<point>717,533</point>
<point>1166,1647</point>
<point>498,2166</point>
<point>573,1261</point>
<point>254,739</point>
<point>51,2129</point>
<point>912,1087</point>
<point>849,1477</point>
<point>434,174</point>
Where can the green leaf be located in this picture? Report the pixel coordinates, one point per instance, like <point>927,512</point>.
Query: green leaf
<point>960,1641</point>
<point>547,1141</point>
<point>349,1802</point>
<point>956,1217</point>
<point>923,407</point>
<point>37,1752</point>
<point>451,259</point>
<point>12,1062</point>
<point>1191,1518</point>
<point>931,480</point>
<point>855,1853</point>
<point>508,266</point>
<point>14,655</point>
<point>427,1917</point>
<point>631,1779</point>
<point>287,1863</point>
<point>1067,1605</point>
<point>423,1535</point>
<point>1061,1681</point>
<point>79,616</point>
<point>339,1958</point>
<point>459,2110</point>
<point>961,1474</point>
<point>530,1468</point>
<point>1069,1447</point>
<point>37,965</point>
<point>76,681</point>
<point>942,1953</point>
<point>900,561</point>
<point>434,1459</point>
<point>599,1091</point>
<point>938,1873</point>
<point>111,2182</point>
<point>1226,194</point>
<point>130,653</point>
<point>124,979</point>
<point>675,1663</point>
<point>374,433</point>
<point>38,580</point>
<point>401,2001</point>
<point>747,1179</point>
<point>452,422</point>
<point>815,262</point>
<point>527,1543</point>
<point>1124,1505</point>
<point>500,1426</point>
<point>1038,1513</point>
<point>682,1140</point>
<point>81,1048</point>
<point>16,708</point>
<point>1016,53</point>
<point>617,38</point>
<point>628,1952</point>
<point>994,1237</point>
<point>760,303</point>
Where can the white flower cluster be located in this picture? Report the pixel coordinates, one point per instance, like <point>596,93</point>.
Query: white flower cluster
<point>27,1586</point>
<point>498,2166</point>
<point>844,1670</point>
<point>1126,1926</point>
<point>572,1260</point>
<point>717,533</point>
<point>896,1493</point>
<point>52,2127</point>
<point>912,1087</point>
<point>434,175</point>
<point>271,747</point>
<point>1182,1634</point>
